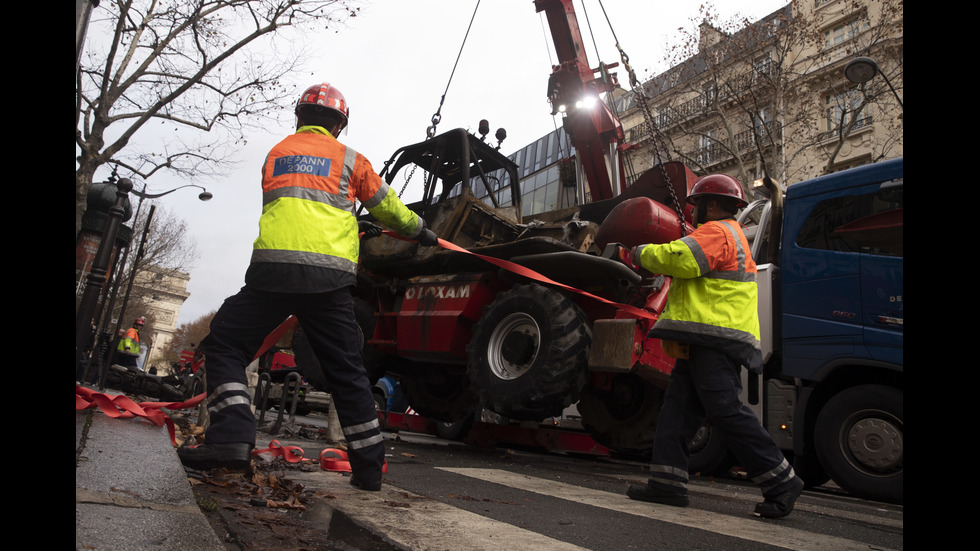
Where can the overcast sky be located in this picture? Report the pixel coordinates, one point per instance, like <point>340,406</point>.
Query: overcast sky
<point>393,62</point>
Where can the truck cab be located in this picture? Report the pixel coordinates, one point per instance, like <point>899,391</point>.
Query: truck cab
<point>831,277</point>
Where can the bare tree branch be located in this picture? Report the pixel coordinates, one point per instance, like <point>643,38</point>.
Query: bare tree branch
<point>202,65</point>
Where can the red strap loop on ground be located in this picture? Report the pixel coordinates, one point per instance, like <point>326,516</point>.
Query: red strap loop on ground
<point>340,463</point>
<point>122,407</point>
<point>335,464</point>
<point>292,454</point>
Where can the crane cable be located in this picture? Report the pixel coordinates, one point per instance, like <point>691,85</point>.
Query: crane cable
<point>437,117</point>
<point>656,136</point>
<point>430,132</point>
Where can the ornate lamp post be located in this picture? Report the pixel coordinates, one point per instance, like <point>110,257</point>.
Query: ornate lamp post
<point>862,69</point>
<point>96,278</point>
<point>205,195</point>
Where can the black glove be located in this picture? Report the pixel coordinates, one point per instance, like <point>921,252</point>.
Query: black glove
<point>368,229</point>
<point>427,238</point>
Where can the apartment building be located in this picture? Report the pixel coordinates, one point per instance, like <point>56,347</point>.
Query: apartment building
<point>774,97</point>
<point>769,98</point>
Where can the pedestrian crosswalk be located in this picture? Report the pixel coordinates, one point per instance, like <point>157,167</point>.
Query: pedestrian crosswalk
<point>422,523</point>
<point>762,532</point>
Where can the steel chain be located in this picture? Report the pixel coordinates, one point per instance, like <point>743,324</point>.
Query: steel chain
<point>656,137</point>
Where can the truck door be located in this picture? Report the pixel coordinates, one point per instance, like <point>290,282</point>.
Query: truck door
<point>842,276</point>
<point>879,237</point>
<point>821,283</point>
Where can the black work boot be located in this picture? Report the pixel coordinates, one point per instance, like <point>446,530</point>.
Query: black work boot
<point>363,485</point>
<point>655,494</point>
<point>235,456</point>
<point>778,505</point>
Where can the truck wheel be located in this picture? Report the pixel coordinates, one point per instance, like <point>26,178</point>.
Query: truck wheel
<point>529,353</point>
<point>623,418</point>
<point>457,430</point>
<point>860,443</point>
<point>710,455</point>
<point>439,393</point>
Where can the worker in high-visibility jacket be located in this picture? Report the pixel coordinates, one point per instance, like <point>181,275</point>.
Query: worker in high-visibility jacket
<point>711,326</point>
<point>128,349</point>
<point>304,263</point>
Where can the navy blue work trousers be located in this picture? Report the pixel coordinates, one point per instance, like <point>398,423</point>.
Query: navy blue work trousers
<point>706,386</point>
<point>237,332</point>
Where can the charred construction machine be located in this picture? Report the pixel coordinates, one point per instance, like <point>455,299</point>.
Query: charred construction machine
<point>527,315</point>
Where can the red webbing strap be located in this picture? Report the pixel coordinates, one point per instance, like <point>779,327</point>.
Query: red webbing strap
<point>274,337</point>
<point>529,273</point>
<point>292,454</point>
<point>340,463</point>
<point>122,407</point>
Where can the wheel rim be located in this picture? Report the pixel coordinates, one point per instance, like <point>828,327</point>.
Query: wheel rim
<point>513,346</point>
<point>873,442</point>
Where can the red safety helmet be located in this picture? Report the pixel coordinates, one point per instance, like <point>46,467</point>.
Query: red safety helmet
<point>718,184</point>
<point>324,95</point>
<point>139,321</point>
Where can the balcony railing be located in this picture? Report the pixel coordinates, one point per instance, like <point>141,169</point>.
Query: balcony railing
<point>715,153</point>
<point>863,122</point>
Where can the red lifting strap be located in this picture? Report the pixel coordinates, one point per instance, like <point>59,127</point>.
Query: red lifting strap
<point>529,273</point>
<point>341,462</point>
<point>292,454</point>
<point>122,407</point>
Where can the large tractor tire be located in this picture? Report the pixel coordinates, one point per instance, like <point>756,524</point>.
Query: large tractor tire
<point>438,393</point>
<point>309,366</point>
<point>623,417</point>
<point>528,357</point>
<point>859,438</point>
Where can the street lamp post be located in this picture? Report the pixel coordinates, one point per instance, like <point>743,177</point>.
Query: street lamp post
<point>97,276</point>
<point>862,69</point>
<point>205,195</point>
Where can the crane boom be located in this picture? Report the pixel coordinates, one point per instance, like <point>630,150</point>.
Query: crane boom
<point>573,89</point>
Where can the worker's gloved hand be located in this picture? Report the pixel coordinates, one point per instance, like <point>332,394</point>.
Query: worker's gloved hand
<point>428,238</point>
<point>368,229</point>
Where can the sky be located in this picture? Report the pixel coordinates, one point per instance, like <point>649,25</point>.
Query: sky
<point>393,63</point>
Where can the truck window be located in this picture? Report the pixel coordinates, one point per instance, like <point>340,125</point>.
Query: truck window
<point>869,223</point>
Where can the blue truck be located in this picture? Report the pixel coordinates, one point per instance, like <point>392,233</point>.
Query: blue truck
<point>830,257</point>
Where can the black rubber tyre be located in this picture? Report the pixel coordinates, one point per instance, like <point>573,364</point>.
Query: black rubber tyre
<point>439,393</point>
<point>710,455</point>
<point>309,366</point>
<point>860,443</point>
<point>808,468</point>
<point>623,418</point>
<point>528,357</point>
<point>458,430</point>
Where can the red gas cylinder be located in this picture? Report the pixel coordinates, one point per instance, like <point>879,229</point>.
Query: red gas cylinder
<point>638,221</point>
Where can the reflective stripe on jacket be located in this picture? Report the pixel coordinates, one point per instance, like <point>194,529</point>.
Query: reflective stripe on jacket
<point>309,185</point>
<point>713,297</point>
<point>131,339</point>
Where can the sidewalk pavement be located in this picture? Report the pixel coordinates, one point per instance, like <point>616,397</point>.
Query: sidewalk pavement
<point>131,492</point>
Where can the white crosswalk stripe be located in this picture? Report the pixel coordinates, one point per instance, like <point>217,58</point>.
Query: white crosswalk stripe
<point>421,523</point>
<point>763,532</point>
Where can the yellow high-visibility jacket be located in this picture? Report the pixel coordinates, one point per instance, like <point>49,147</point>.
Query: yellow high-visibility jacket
<point>713,297</point>
<point>131,340</point>
<point>309,185</point>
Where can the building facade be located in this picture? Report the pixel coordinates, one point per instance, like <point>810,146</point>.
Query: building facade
<point>771,99</point>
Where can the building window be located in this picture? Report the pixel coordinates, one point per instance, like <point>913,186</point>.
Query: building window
<point>845,31</point>
<point>841,106</point>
